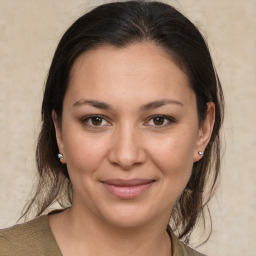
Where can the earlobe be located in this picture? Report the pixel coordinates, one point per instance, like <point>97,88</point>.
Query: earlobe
<point>205,132</point>
<point>59,137</point>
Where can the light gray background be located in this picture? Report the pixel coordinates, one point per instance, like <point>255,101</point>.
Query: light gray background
<point>29,33</point>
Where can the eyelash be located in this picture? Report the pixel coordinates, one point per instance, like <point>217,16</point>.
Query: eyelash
<point>85,120</point>
<point>167,119</point>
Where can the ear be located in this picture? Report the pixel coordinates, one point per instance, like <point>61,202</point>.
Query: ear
<point>59,137</point>
<point>205,132</point>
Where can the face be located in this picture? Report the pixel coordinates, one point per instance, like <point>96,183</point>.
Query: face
<point>129,134</point>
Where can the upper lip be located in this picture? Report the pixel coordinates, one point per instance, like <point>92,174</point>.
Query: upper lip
<point>127,183</point>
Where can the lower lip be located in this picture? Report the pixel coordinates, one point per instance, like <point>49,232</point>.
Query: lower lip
<point>127,192</point>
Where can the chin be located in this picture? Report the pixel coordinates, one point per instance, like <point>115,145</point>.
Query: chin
<point>128,216</point>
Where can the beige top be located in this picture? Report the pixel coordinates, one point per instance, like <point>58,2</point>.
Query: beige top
<point>36,238</point>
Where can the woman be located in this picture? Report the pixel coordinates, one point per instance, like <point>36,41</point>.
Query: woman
<point>129,142</point>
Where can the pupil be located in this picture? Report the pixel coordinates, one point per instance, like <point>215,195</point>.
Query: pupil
<point>158,120</point>
<point>96,120</point>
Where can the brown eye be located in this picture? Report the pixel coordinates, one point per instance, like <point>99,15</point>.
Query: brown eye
<point>159,120</point>
<point>96,121</point>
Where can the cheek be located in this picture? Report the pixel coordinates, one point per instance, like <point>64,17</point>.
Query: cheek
<point>174,158</point>
<point>83,152</point>
<point>174,149</point>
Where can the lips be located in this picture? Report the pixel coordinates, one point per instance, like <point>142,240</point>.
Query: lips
<point>127,189</point>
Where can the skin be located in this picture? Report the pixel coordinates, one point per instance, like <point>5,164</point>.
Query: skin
<point>126,142</point>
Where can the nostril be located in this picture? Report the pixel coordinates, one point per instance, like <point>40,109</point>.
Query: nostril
<point>125,164</point>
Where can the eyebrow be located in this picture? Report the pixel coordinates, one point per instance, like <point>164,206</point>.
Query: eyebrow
<point>159,103</point>
<point>94,103</point>
<point>146,107</point>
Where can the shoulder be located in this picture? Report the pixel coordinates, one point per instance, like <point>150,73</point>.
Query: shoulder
<point>31,238</point>
<point>187,251</point>
<point>180,249</point>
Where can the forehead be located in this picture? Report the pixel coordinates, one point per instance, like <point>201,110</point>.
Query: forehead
<point>140,69</point>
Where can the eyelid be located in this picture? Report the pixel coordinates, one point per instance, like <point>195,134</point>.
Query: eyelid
<point>84,120</point>
<point>170,119</point>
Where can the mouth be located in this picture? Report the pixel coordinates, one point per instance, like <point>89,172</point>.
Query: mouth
<point>127,189</point>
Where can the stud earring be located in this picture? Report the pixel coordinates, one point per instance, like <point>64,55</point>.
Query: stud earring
<point>60,156</point>
<point>200,153</point>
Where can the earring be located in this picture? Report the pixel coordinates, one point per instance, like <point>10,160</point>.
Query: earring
<point>60,156</point>
<point>200,153</point>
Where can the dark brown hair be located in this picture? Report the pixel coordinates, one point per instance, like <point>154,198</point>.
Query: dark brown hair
<point>120,24</point>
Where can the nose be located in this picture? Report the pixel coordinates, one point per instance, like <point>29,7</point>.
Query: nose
<point>127,148</point>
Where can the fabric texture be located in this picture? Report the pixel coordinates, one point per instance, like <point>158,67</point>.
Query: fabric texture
<point>36,238</point>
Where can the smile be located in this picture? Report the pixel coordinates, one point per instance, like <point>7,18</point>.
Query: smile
<point>127,189</point>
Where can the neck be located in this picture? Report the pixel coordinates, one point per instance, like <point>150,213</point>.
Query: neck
<point>88,233</point>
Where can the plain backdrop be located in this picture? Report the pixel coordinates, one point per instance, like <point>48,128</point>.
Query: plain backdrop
<point>29,33</point>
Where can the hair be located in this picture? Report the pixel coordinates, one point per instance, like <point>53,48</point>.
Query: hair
<point>120,24</point>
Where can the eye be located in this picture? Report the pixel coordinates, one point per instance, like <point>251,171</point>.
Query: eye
<point>95,121</point>
<point>160,120</point>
